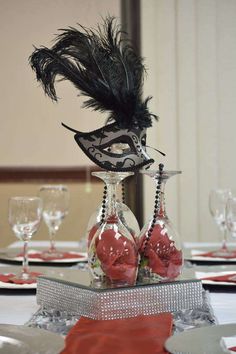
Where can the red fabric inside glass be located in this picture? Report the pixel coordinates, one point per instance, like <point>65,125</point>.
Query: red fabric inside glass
<point>138,335</point>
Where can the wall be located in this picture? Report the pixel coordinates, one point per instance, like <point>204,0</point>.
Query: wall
<point>31,133</point>
<point>190,52</point>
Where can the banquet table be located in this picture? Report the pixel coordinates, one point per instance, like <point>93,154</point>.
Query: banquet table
<point>18,307</point>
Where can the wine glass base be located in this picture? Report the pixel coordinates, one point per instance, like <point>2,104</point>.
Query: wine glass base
<point>25,277</point>
<point>51,254</point>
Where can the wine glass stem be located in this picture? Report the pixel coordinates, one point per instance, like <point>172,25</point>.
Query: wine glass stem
<point>25,263</point>
<point>224,246</point>
<point>52,241</point>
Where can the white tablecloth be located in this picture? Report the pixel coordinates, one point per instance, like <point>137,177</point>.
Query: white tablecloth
<point>17,309</point>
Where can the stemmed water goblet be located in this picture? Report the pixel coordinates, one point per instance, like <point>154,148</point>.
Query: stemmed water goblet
<point>230,219</point>
<point>217,205</point>
<point>230,216</point>
<point>24,216</point>
<point>55,208</point>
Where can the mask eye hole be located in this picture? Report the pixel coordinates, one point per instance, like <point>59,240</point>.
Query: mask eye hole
<point>118,148</point>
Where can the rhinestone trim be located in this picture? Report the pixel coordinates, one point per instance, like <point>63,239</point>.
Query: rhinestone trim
<point>119,303</point>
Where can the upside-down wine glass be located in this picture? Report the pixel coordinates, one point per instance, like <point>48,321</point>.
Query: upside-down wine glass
<point>159,243</point>
<point>55,208</point>
<point>24,216</point>
<point>217,205</point>
<point>112,254</point>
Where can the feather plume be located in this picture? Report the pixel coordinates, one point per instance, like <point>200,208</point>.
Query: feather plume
<point>102,66</point>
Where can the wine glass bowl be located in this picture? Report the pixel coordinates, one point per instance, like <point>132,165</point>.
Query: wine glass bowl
<point>217,206</point>
<point>230,216</point>
<point>24,216</point>
<point>55,208</point>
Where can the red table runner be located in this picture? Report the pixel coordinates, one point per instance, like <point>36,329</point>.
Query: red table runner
<point>138,335</point>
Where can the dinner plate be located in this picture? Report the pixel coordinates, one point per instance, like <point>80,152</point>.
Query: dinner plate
<point>12,255</point>
<point>193,255</point>
<point>205,271</point>
<point>26,340</point>
<point>200,275</point>
<point>52,271</point>
<point>202,340</point>
<point>216,270</point>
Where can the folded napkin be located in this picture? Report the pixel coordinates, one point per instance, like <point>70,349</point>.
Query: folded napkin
<point>216,254</point>
<point>138,335</point>
<point>231,278</point>
<point>11,278</point>
<point>229,343</point>
<point>42,256</point>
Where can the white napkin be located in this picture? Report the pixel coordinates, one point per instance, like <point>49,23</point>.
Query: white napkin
<point>229,342</point>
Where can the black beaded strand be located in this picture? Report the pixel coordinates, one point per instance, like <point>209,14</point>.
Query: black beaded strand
<point>123,191</point>
<point>104,199</point>
<point>156,206</point>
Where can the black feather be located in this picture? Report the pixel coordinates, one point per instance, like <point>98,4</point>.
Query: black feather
<point>102,66</point>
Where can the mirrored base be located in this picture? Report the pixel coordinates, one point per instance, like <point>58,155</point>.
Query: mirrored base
<point>71,291</point>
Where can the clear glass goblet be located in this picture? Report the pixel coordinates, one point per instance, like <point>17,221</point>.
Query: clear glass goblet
<point>55,208</point>
<point>159,242</point>
<point>230,216</point>
<point>112,253</point>
<point>217,205</point>
<point>24,216</point>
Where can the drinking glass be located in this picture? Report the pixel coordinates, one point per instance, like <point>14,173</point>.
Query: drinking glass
<point>217,205</point>
<point>112,253</point>
<point>55,208</point>
<point>230,216</point>
<point>159,242</point>
<point>24,217</point>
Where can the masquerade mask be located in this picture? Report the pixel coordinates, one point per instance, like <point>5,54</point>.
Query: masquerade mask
<point>115,149</point>
<point>106,69</point>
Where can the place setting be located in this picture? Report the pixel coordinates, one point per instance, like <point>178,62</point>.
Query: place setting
<point>222,206</point>
<point>24,216</point>
<point>55,204</point>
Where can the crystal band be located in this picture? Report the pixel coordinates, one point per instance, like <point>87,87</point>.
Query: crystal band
<point>121,302</point>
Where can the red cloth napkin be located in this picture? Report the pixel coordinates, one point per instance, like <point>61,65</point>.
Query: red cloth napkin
<point>138,335</point>
<point>231,278</point>
<point>10,278</point>
<point>233,349</point>
<point>40,255</point>
<point>214,255</point>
